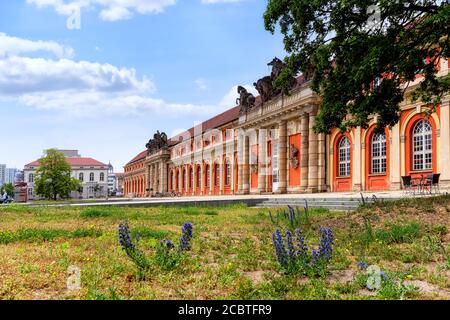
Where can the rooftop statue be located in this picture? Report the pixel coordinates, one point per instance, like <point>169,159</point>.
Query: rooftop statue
<point>158,142</point>
<point>246,100</point>
<point>265,85</point>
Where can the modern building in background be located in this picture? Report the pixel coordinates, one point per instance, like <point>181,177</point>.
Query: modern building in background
<point>10,175</point>
<point>2,174</point>
<point>112,180</point>
<point>92,174</point>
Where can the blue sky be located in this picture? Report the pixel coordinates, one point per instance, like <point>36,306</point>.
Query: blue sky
<point>132,68</point>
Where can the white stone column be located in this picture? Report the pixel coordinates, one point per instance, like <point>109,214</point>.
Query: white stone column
<point>222,178</point>
<point>246,166</point>
<point>155,177</point>
<point>202,179</point>
<point>356,161</point>
<point>233,173</point>
<point>194,184</point>
<point>282,156</point>
<point>304,159</point>
<point>211,178</point>
<point>313,156</point>
<point>165,186</point>
<point>321,164</point>
<point>444,158</point>
<point>395,158</point>
<point>180,179</point>
<point>186,178</point>
<point>262,162</point>
<point>240,160</point>
<point>148,174</point>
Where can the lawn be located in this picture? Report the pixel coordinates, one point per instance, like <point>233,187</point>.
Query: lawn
<point>232,255</point>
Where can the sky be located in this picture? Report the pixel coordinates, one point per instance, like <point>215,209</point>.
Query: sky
<point>101,76</point>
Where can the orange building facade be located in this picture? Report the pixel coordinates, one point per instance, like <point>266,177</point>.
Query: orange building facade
<point>273,149</point>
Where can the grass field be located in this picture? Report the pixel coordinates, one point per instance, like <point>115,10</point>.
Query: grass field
<point>232,254</point>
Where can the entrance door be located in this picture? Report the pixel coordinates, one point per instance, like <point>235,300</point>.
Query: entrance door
<point>275,169</point>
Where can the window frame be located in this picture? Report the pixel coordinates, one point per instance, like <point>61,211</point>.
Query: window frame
<point>378,145</point>
<point>422,146</point>
<point>346,160</point>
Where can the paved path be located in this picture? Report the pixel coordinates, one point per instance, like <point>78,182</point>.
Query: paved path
<point>332,200</point>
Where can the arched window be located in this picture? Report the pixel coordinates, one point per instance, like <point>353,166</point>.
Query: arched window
<point>31,178</point>
<point>227,172</point>
<point>91,177</point>
<point>217,174</point>
<point>379,153</point>
<point>208,176</point>
<point>344,157</point>
<point>81,177</point>
<point>191,176</point>
<point>102,176</point>
<point>422,146</point>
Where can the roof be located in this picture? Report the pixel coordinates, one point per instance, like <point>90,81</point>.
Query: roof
<point>140,156</point>
<point>215,122</point>
<point>75,162</point>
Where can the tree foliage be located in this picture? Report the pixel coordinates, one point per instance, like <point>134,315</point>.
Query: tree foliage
<point>361,55</point>
<point>53,178</point>
<point>9,188</point>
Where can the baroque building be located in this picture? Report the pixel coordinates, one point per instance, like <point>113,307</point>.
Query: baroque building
<point>92,174</point>
<point>267,145</point>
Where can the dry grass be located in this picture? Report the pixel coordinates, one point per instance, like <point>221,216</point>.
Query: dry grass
<point>232,255</point>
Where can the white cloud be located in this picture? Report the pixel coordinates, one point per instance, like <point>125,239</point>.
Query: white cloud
<point>10,46</point>
<point>115,14</point>
<point>21,75</point>
<point>83,88</point>
<point>110,10</point>
<point>98,104</point>
<point>201,84</point>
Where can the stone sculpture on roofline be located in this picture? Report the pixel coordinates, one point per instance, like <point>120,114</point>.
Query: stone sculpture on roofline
<point>264,86</point>
<point>159,141</point>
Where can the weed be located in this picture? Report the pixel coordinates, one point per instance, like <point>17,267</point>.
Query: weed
<point>396,290</point>
<point>31,235</point>
<point>397,233</point>
<point>95,213</point>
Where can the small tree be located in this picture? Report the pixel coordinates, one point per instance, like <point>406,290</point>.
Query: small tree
<point>97,188</point>
<point>53,176</point>
<point>9,188</point>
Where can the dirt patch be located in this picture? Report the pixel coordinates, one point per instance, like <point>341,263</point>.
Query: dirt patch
<point>257,276</point>
<point>428,288</point>
<point>367,292</point>
<point>342,276</point>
